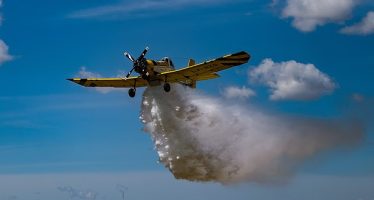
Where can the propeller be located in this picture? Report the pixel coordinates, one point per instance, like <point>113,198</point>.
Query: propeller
<point>143,53</point>
<point>128,74</point>
<point>129,57</point>
<point>138,62</point>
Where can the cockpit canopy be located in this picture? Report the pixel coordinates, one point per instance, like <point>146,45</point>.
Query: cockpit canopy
<point>168,60</point>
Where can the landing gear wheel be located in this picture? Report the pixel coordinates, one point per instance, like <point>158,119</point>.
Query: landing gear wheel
<point>132,92</point>
<point>167,87</point>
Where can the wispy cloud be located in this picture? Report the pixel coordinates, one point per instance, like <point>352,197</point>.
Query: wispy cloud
<point>79,194</point>
<point>143,7</point>
<point>365,27</point>
<point>233,92</point>
<point>83,73</point>
<point>22,123</point>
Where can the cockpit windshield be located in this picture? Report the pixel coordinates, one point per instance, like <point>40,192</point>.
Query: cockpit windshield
<point>168,60</point>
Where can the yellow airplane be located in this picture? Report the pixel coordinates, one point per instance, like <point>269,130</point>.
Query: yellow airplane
<point>154,73</point>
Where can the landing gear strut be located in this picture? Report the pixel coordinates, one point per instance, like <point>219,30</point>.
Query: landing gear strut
<point>167,87</point>
<point>132,92</point>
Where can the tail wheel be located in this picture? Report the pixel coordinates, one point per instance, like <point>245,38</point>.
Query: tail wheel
<point>132,92</point>
<point>167,87</point>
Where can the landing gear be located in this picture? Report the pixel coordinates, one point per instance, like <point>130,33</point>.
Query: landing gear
<point>132,92</point>
<point>167,87</point>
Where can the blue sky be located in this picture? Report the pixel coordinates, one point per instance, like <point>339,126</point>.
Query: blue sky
<point>58,131</point>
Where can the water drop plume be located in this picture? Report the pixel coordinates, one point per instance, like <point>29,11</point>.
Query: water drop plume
<point>204,138</point>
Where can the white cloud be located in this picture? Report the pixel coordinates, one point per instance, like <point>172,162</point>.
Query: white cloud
<point>308,14</point>
<point>237,92</point>
<point>4,52</point>
<point>365,27</point>
<point>143,8</point>
<point>292,80</point>
<point>83,73</point>
<point>4,49</point>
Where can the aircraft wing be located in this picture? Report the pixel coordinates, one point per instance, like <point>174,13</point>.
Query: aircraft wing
<point>205,70</point>
<point>111,82</point>
<point>202,71</point>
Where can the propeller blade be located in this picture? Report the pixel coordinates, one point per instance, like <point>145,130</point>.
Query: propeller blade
<point>143,53</point>
<point>128,74</point>
<point>129,57</point>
